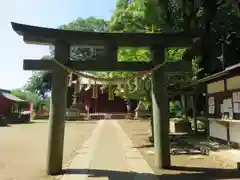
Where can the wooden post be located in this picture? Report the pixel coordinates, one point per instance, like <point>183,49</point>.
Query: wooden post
<point>160,110</point>
<point>193,99</point>
<point>57,111</point>
<point>111,53</point>
<point>184,105</point>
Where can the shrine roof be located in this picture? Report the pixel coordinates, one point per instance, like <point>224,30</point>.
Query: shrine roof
<point>228,72</point>
<point>5,90</point>
<point>8,95</point>
<point>49,36</point>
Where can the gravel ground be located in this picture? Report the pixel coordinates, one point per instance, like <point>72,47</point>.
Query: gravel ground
<point>23,148</point>
<point>183,166</point>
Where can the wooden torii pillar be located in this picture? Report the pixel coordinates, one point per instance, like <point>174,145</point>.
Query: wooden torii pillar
<point>160,108</point>
<point>58,109</point>
<point>62,40</point>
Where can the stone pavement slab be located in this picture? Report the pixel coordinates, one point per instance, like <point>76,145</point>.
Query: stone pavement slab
<point>230,157</point>
<point>109,155</point>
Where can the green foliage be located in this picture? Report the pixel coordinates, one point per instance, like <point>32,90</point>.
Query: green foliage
<point>89,24</point>
<point>32,97</point>
<point>133,54</point>
<point>213,19</point>
<point>123,13</point>
<point>175,108</point>
<point>175,16</point>
<point>21,94</point>
<point>37,85</point>
<point>175,54</point>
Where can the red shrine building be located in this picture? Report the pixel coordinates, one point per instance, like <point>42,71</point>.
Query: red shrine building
<point>13,108</point>
<point>8,101</point>
<point>101,104</point>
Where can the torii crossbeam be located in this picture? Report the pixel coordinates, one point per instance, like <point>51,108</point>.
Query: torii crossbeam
<point>63,39</point>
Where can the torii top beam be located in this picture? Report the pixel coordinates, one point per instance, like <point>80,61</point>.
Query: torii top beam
<point>48,36</point>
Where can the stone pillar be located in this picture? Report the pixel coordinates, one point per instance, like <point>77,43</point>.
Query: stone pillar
<point>160,109</point>
<point>57,111</point>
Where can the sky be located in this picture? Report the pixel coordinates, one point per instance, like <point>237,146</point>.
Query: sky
<point>46,13</point>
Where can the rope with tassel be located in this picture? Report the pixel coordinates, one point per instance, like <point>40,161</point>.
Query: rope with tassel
<point>109,80</point>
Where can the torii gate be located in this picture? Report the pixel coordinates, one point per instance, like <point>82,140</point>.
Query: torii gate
<point>63,39</point>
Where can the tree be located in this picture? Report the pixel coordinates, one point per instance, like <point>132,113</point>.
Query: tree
<point>37,85</point>
<point>214,20</point>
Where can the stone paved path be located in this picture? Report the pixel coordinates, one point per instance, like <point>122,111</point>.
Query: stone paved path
<point>108,155</point>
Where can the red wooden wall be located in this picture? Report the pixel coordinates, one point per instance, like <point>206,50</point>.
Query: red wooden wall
<point>102,104</point>
<point>5,104</point>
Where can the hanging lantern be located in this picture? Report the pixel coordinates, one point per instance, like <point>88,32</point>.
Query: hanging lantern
<point>70,79</point>
<point>95,91</point>
<point>110,92</point>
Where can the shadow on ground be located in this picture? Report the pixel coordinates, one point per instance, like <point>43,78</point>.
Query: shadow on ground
<point>83,122</point>
<point>188,144</point>
<point>193,173</point>
<point>9,124</point>
<point>177,148</point>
